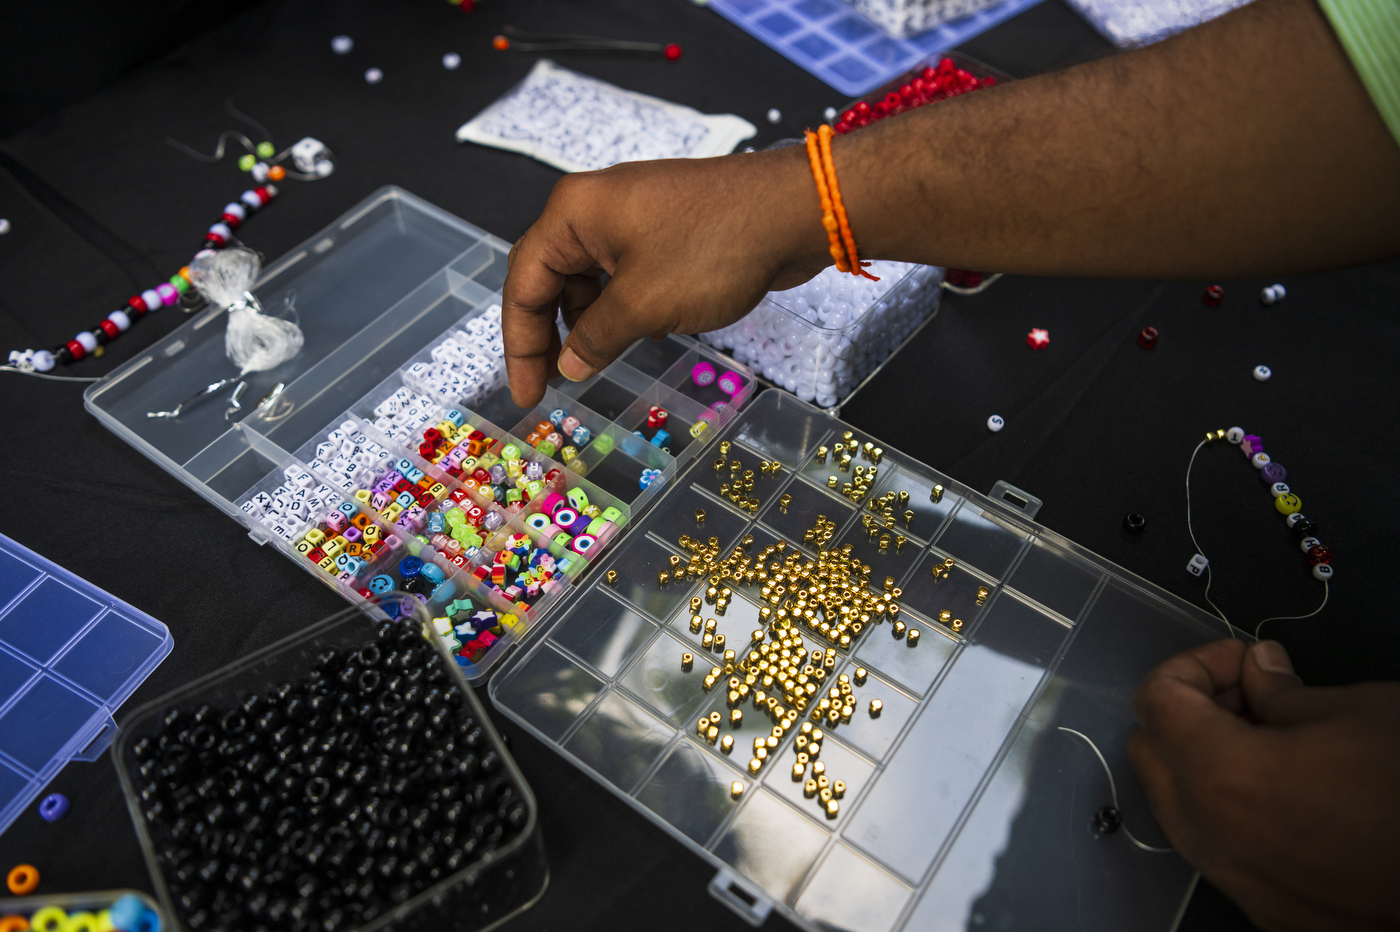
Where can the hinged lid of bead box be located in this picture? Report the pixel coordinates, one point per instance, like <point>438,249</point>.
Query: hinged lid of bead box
<point>70,655</point>
<point>853,701</point>
<point>387,453</point>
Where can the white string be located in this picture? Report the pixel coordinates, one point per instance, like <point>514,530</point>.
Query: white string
<point>51,378</point>
<point>1326,591</point>
<point>218,151</point>
<point>1192,532</point>
<point>1113,792</point>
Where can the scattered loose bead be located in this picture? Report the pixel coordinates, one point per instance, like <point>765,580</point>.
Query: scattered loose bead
<point>373,76</point>
<point>1262,373</point>
<point>1273,294</point>
<point>995,423</point>
<point>1134,523</point>
<point>775,116</point>
<point>54,807</point>
<point>22,879</point>
<point>4,226</point>
<point>1038,339</point>
<point>1198,565</point>
<point>451,61</point>
<point>672,51</point>
<point>1213,296</point>
<point>341,45</point>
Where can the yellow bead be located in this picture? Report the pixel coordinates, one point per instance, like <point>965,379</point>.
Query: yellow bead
<point>1288,504</point>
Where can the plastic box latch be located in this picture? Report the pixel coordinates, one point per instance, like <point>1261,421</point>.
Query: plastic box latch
<point>749,904</point>
<point>1019,499</point>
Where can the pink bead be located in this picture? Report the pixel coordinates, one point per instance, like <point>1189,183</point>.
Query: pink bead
<point>168,293</point>
<point>703,374</point>
<point>337,521</point>
<point>731,382</point>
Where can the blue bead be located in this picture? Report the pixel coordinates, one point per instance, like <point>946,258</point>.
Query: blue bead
<point>149,921</point>
<point>347,509</point>
<point>381,584</point>
<point>456,418</point>
<point>660,439</point>
<point>126,912</point>
<point>556,417</point>
<point>409,567</point>
<point>54,807</point>
<point>444,590</point>
<point>436,523</point>
<point>391,609</point>
<point>404,466</point>
<point>581,436</point>
<point>432,573</point>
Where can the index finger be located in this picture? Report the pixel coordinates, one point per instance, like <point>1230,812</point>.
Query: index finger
<point>1182,695</point>
<point>538,268</point>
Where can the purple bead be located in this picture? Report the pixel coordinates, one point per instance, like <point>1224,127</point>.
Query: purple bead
<point>168,293</point>
<point>493,520</point>
<point>54,807</point>
<point>1252,445</point>
<point>1272,472</point>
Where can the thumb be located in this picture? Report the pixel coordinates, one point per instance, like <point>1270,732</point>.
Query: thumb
<point>602,333</point>
<point>1272,691</point>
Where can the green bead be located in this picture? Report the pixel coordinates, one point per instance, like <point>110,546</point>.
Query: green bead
<point>545,447</point>
<point>180,284</point>
<point>247,162</point>
<point>510,452</point>
<point>265,150</point>
<point>602,443</point>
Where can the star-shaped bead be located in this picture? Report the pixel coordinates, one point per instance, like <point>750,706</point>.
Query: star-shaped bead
<point>1038,339</point>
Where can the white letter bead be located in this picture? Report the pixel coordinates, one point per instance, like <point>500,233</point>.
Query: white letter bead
<point>1308,543</point>
<point>1260,460</point>
<point>1198,565</point>
<point>1278,489</point>
<point>995,423</point>
<point>1235,435</point>
<point>1295,518</point>
<point>1322,571</point>
<point>1262,373</point>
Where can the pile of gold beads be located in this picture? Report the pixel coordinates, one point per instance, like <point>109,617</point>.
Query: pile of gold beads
<point>841,455</point>
<point>739,488</point>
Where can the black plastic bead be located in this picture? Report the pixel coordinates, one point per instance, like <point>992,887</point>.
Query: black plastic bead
<point>1304,528</point>
<point>1134,523</point>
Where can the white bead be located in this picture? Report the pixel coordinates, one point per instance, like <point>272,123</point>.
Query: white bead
<point>152,299</point>
<point>88,341</point>
<point>250,199</point>
<point>221,229</point>
<point>1235,435</point>
<point>4,226</point>
<point>341,45</point>
<point>1259,460</point>
<point>42,360</point>
<point>1198,565</point>
<point>235,210</point>
<point>1322,571</point>
<point>1295,518</point>
<point>1280,292</point>
<point>259,172</point>
<point>775,116</point>
<point>1308,543</point>
<point>1278,489</point>
<point>1268,296</point>
<point>451,61</point>
<point>121,319</point>
<point>374,76</point>
<point>995,423</point>
<point>1262,373</point>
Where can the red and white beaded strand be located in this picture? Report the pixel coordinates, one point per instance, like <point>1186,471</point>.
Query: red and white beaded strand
<point>90,342</point>
<point>1285,502</point>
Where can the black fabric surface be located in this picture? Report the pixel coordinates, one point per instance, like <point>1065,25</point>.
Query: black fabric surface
<point>1096,426</point>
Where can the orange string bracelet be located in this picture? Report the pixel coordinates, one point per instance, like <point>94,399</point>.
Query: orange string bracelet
<point>829,168</point>
<point>833,234</point>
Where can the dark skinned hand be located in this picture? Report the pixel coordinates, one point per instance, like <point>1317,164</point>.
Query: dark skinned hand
<point>1285,796</point>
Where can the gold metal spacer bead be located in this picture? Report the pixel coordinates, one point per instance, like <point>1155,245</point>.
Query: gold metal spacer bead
<point>611,577</point>
<point>736,789</point>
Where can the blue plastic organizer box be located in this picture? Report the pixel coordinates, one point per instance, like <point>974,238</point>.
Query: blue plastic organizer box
<point>843,48</point>
<point>70,654</point>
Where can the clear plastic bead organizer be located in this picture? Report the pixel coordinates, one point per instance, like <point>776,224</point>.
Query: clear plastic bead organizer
<point>833,41</point>
<point>70,655</point>
<point>399,303</point>
<point>964,804</point>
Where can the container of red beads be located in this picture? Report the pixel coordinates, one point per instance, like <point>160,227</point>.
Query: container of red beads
<point>345,778</point>
<point>952,75</point>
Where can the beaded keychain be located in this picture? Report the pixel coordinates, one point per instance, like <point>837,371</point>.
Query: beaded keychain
<point>1285,502</point>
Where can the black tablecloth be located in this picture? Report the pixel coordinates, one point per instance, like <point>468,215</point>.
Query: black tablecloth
<point>1096,426</point>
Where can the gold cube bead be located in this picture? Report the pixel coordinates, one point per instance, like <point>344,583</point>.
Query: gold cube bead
<point>708,641</point>
<point>714,718</point>
<point>809,789</point>
<point>611,577</point>
<point>957,624</point>
<point>936,494</point>
<point>712,733</point>
<point>912,638</point>
<point>876,707</point>
<point>945,617</point>
<point>662,578</point>
<point>798,772</point>
<point>755,765</point>
<point>695,624</point>
<point>819,771</point>
<point>674,560</point>
<point>709,683</point>
<point>703,725</point>
<point>833,808</point>
<point>832,482</point>
<point>838,789</point>
<point>727,744</point>
<point>814,748</point>
<point>736,718</point>
<point>710,625</point>
<point>899,629</point>
<point>687,661</point>
<point>824,794</point>
<point>724,448</point>
<point>736,789</point>
<point>860,676</point>
<point>699,516</point>
<point>719,642</point>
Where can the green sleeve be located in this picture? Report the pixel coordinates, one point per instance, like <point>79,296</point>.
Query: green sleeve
<point>1369,30</point>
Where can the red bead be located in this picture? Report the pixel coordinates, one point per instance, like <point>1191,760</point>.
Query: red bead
<point>1319,554</point>
<point>137,304</point>
<point>928,74</point>
<point>215,239</point>
<point>76,349</point>
<point>672,51</point>
<point>1038,339</point>
<point>365,593</point>
<point>231,221</point>
<point>468,6</point>
<point>862,108</point>
<point>110,329</point>
<point>433,435</point>
<point>1148,337</point>
<point>264,195</point>
<point>1213,296</point>
<point>426,450</point>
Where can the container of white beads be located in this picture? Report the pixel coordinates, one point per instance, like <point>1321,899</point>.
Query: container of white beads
<point>822,340</point>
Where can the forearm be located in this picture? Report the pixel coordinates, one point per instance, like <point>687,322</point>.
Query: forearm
<point>1246,146</point>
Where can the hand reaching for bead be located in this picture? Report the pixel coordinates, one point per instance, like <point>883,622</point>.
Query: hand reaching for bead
<point>1283,795</point>
<point>689,245</point>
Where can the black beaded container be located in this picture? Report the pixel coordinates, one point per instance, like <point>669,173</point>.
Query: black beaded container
<point>344,779</point>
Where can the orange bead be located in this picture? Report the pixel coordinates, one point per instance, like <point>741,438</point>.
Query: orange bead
<point>185,273</point>
<point>276,173</point>
<point>500,43</point>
